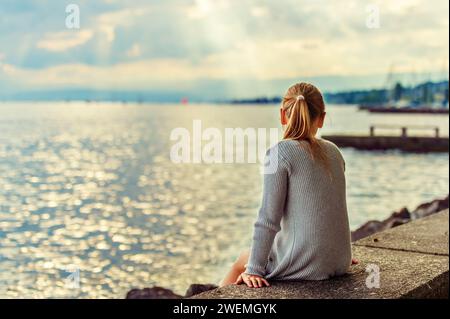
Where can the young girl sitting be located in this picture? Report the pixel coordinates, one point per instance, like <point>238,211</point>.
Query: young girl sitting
<point>302,231</point>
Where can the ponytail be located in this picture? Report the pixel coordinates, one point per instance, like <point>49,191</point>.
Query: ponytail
<point>299,125</point>
<point>302,112</point>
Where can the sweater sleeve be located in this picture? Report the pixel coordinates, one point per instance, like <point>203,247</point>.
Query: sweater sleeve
<point>269,217</point>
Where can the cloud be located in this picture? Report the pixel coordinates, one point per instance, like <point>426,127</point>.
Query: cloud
<point>201,9</point>
<point>135,51</point>
<point>172,43</point>
<point>108,22</point>
<point>63,41</point>
<point>259,11</point>
<point>129,75</point>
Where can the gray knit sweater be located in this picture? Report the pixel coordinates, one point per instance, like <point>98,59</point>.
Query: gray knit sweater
<point>302,231</point>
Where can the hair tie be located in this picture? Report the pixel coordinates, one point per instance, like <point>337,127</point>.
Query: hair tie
<point>300,98</point>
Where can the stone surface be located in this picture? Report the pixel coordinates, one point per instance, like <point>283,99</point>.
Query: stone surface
<point>427,235</point>
<point>163,293</point>
<point>196,289</point>
<point>412,259</point>
<point>152,293</point>
<point>432,207</point>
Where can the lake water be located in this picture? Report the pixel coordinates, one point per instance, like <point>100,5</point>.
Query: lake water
<point>90,187</point>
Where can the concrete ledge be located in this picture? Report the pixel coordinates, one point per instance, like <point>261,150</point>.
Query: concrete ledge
<point>427,235</point>
<point>413,262</point>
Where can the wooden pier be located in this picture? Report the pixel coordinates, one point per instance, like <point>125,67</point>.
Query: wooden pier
<point>403,142</point>
<point>407,110</point>
<point>374,108</point>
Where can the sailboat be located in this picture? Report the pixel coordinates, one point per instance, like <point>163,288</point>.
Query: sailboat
<point>426,101</point>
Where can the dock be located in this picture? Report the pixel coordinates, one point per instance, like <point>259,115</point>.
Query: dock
<point>404,110</point>
<point>403,142</point>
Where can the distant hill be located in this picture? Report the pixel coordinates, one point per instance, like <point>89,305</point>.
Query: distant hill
<point>259,100</point>
<point>96,95</point>
<point>428,92</point>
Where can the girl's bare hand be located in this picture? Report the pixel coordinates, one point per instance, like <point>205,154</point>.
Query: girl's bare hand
<point>252,281</point>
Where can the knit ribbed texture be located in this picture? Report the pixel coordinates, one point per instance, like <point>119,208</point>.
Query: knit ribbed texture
<point>302,231</point>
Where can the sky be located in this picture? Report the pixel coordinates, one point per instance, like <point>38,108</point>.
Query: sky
<point>220,48</point>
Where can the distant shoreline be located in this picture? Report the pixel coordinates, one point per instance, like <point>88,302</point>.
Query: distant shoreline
<point>427,92</point>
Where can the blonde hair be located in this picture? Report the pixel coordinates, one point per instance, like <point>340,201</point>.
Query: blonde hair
<point>303,104</point>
